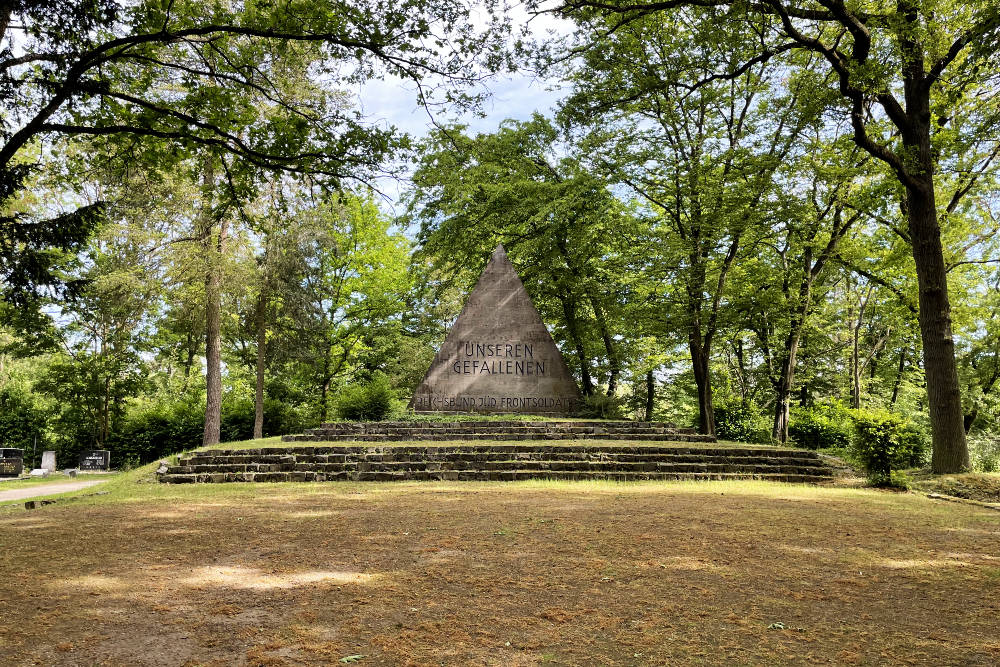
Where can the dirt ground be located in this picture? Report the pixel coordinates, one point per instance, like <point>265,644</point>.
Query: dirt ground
<point>500,574</point>
<point>37,490</point>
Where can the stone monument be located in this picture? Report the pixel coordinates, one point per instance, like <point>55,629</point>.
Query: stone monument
<point>11,462</point>
<point>49,461</point>
<point>95,459</point>
<point>498,356</point>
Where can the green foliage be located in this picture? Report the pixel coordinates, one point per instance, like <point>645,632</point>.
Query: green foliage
<point>884,441</point>
<point>22,421</point>
<point>279,419</point>
<point>602,406</point>
<point>166,427</point>
<point>822,426</point>
<point>366,402</point>
<point>743,422</point>
<point>984,451</point>
<point>159,430</point>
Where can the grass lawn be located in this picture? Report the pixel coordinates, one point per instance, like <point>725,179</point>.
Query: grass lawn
<point>499,574</point>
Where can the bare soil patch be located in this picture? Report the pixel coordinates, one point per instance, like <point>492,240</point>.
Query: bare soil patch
<point>500,574</point>
<point>34,491</point>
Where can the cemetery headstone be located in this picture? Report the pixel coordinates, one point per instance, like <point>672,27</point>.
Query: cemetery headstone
<point>11,462</point>
<point>498,356</point>
<point>97,459</point>
<point>49,461</point>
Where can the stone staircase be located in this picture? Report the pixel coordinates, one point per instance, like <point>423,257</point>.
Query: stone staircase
<point>498,430</point>
<point>497,462</point>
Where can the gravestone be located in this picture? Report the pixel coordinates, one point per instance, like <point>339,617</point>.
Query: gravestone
<point>49,461</point>
<point>97,459</point>
<point>498,357</point>
<point>11,462</point>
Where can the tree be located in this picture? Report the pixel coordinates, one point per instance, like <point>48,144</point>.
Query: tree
<point>573,242</point>
<point>162,78</point>
<point>703,159</point>
<point>908,76</point>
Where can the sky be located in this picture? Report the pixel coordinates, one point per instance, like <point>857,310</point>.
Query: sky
<point>393,101</point>
<point>515,96</point>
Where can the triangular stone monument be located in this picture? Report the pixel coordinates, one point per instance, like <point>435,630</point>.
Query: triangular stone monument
<point>498,356</point>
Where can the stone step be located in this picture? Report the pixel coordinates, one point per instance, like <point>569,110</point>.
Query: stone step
<point>602,466</point>
<point>493,424</point>
<point>496,462</point>
<point>436,436</point>
<point>490,428</point>
<point>466,458</point>
<point>281,454</point>
<point>478,475</point>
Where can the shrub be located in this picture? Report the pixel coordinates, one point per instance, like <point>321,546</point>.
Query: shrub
<point>602,406</point>
<point>368,402</point>
<point>984,452</point>
<point>884,442</point>
<point>22,423</point>
<point>823,426</point>
<point>743,422</point>
<point>157,430</point>
<point>164,428</point>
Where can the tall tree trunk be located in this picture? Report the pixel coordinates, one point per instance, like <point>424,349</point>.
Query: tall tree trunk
<point>258,402</point>
<point>899,377</point>
<point>783,387</point>
<point>614,363</point>
<point>856,364</point>
<point>573,324</point>
<point>213,251</point>
<point>325,385</point>
<point>700,362</point>
<point>951,453</point>
<point>650,396</point>
<point>573,328</point>
<point>944,399</point>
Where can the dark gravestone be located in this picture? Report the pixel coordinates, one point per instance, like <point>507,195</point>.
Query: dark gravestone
<point>97,459</point>
<point>11,462</point>
<point>498,356</point>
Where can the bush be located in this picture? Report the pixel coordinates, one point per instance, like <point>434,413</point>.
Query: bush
<point>22,423</point>
<point>602,406</point>
<point>823,426</point>
<point>165,428</point>
<point>743,422</point>
<point>984,452</point>
<point>368,402</point>
<point>156,431</point>
<point>884,442</point>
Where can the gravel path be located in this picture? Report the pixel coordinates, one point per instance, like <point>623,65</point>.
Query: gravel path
<point>46,490</point>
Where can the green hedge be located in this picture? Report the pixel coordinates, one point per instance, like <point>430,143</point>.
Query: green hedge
<point>366,402</point>
<point>884,441</point>
<point>166,428</point>
<point>823,426</point>
<point>743,422</point>
<point>22,424</point>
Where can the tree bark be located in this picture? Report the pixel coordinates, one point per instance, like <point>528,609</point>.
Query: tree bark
<point>951,453</point>
<point>700,362</point>
<point>899,377</point>
<point>650,396</point>
<point>213,251</point>
<point>614,363</point>
<point>573,328</point>
<point>258,403</point>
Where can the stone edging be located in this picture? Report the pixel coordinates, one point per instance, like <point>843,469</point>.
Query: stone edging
<point>963,501</point>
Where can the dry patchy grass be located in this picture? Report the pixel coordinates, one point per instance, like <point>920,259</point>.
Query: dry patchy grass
<point>488,573</point>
